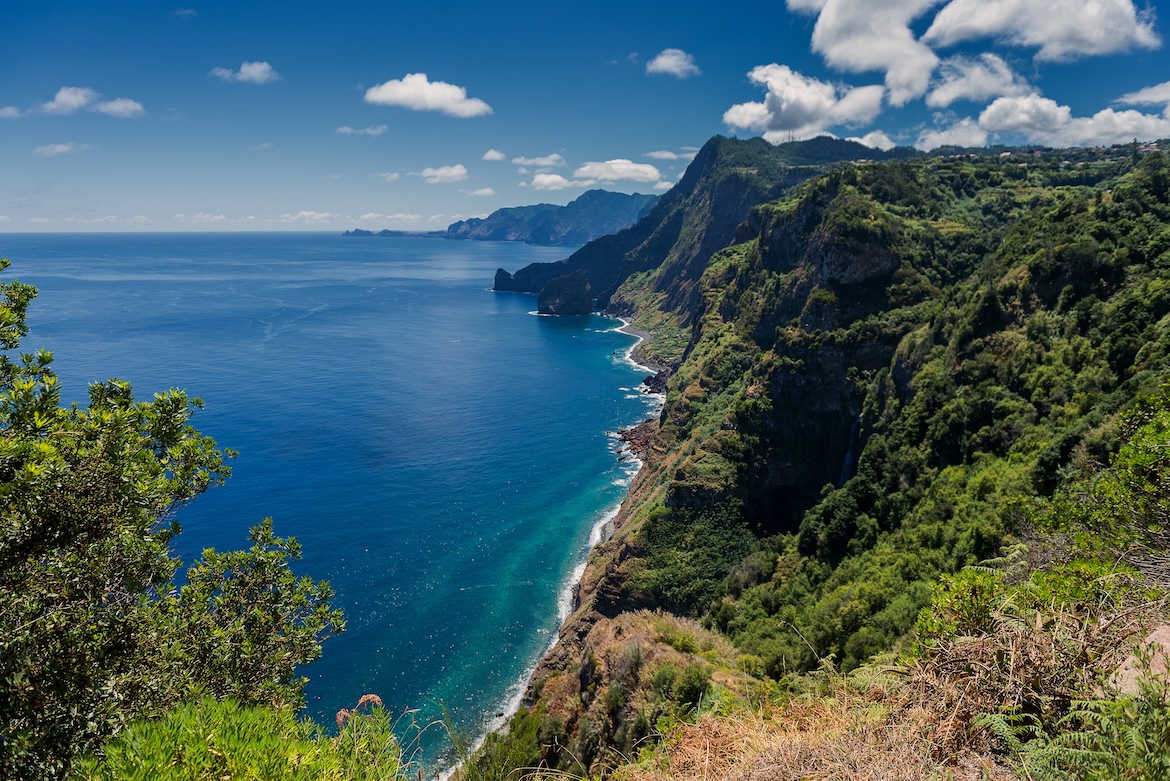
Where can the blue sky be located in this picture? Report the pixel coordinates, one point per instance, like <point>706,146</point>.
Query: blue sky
<point>146,115</point>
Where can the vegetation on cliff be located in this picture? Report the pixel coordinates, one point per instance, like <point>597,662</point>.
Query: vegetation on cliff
<point>899,371</point>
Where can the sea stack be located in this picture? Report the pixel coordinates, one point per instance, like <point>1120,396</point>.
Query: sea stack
<point>567,295</point>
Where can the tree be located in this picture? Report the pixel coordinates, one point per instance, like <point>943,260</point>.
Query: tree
<point>93,631</point>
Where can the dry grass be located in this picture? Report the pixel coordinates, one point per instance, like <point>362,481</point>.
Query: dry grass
<point>859,732</point>
<point>1033,663</point>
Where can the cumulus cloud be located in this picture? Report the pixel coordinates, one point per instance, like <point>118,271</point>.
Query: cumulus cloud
<point>9,112</point>
<point>482,192</point>
<point>1157,95</point>
<point>55,150</point>
<point>673,62</point>
<point>666,154</point>
<point>663,186</point>
<point>1043,120</point>
<point>1062,30</point>
<point>548,161</point>
<point>372,130</point>
<point>875,139</point>
<point>618,170</point>
<point>555,182</point>
<point>861,35</point>
<point>389,176</point>
<point>444,174</point>
<point>965,132</point>
<point>979,79</point>
<point>122,108</point>
<point>69,100</point>
<point>415,91</point>
<point>801,106</point>
<point>494,155</point>
<point>250,72</point>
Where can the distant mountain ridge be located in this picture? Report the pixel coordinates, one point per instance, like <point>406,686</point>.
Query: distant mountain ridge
<point>594,214</point>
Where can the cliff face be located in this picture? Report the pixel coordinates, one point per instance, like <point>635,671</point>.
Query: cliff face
<point>873,376</point>
<point>567,295</point>
<point>697,217</point>
<point>594,214</point>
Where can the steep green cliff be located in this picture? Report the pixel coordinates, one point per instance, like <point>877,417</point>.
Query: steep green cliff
<point>697,217</point>
<point>873,386</point>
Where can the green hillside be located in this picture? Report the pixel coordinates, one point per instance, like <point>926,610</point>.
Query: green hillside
<point>885,380</point>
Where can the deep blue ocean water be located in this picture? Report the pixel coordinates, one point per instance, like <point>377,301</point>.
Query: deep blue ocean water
<point>442,453</point>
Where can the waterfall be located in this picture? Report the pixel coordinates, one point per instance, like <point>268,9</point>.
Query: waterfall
<point>847,465</point>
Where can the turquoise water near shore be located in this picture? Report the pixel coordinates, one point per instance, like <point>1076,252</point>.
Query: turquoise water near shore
<point>442,453</point>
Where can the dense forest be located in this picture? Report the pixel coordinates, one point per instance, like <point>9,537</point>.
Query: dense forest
<point>899,371</point>
<point>906,507</point>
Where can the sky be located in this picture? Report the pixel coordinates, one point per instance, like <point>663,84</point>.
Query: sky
<point>144,115</point>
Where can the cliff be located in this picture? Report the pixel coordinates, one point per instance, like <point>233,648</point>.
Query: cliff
<point>567,295</point>
<point>592,215</point>
<point>883,369</point>
<point>697,217</point>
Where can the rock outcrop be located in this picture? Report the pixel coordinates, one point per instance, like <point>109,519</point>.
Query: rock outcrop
<point>567,295</point>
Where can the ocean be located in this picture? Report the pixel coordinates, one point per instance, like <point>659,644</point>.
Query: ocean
<point>444,455</point>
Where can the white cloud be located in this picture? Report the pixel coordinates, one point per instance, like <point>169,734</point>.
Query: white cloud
<point>554,182</point>
<point>548,161</point>
<point>109,219</point>
<point>70,99</point>
<point>185,14</point>
<point>482,192</point>
<point>1043,120</point>
<point>251,72</point>
<point>862,35</point>
<point>372,130</point>
<point>415,91</point>
<point>673,62</point>
<point>399,217</point>
<point>9,112</point>
<point>309,216</point>
<point>205,218</point>
<point>444,174</point>
<point>965,132</point>
<point>494,155</point>
<point>390,176</point>
<point>53,150</point>
<point>262,147</point>
<point>122,108</point>
<point>1029,115</point>
<point>1159,94</point>
<point>618,170</point>
<point>1062,30</point>
<point>38,220</point>
<point>666,154</point>
<point>663,186</point>
<point>980,79</point>
<point>801,106</point>
<point>875,139</point>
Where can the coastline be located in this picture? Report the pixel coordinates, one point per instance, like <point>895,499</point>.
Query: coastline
<point>601,531</point>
